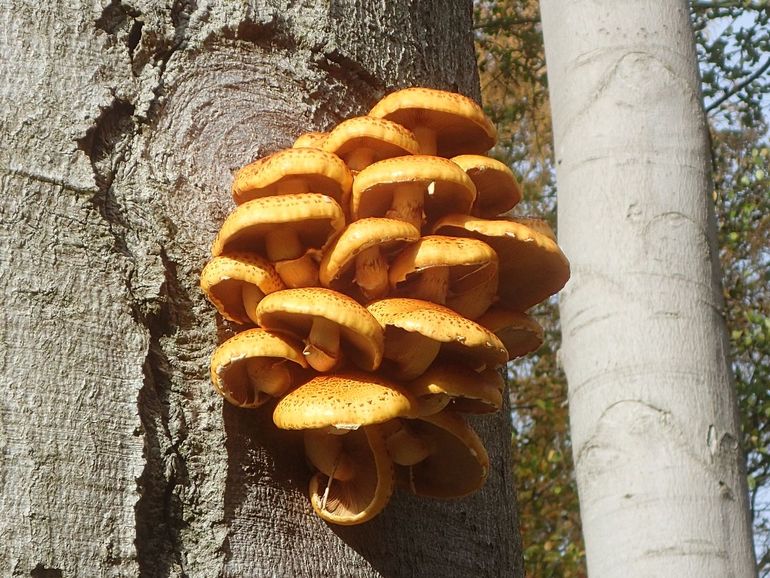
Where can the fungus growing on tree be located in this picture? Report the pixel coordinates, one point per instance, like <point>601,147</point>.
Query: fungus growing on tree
<point>497,190</point>
<point>411,189</point>
<point>291,171</point>
<point>286,229</point>
<point>355,473</point>
<point>459,273</point>
<point>387,290</point>
<point>364,140</point>
<point>457,464</point>
<point>255,365</point>
<point>519,332</point>
<point>311,140</point>
<point>450,384</point>
<point>445,124</point>
<point>532,267</point>
<point>236,282</point>
<point>360,256</point>
<point>328,322</point>
<point>416,331</point>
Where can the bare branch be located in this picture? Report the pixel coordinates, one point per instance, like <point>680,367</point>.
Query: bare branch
<point>740,86</point>
<point>716,4</point>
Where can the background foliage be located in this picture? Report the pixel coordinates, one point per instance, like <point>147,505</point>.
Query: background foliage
<point>733,46</point>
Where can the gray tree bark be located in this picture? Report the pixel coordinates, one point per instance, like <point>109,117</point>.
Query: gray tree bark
<point>653,411</point>
<point>121,125</point>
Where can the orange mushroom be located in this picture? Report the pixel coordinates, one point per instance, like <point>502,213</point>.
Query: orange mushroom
<point>311,140</point>
<point>448,383</point>
<point>445,123</point>
<point>342,415</point>
<point>363,140</point>
<point>291,171</point>
<point>460,273</point>
<point>457,465</point>
<point>256,365</point>
<point>356,262</point>
<point>519,332</point>
<point>532,266</point>
<point>497,189</point>
<point>236,282</point>
<point>416,331</point>
<point>328,322</point>
<point>408,188</point>
<point>286,229</point>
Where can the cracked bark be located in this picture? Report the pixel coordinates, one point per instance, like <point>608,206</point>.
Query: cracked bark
<point>122,125</point>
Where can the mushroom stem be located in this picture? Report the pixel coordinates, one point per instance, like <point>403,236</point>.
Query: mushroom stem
<point>411,354</point>
<point>327,454</point>
<point>251,296</point>
<point>359,158</point>
<point>432,285</point>
<point>300,272</point>
<point>268,376</point>
<point>405,448</point>
<point>282,244</point>
<point>291,186</point>
<point>407,204</point>
<point>372,273</point>
<point>322,351</point>
<point>293,265</point>
<point>426,138</point>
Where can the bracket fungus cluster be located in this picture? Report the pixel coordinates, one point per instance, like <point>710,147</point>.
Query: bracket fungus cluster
<point>380,290</point>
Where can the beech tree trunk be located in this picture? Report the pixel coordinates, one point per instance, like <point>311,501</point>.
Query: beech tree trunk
<point>122,124</point>
<point>652,407</point>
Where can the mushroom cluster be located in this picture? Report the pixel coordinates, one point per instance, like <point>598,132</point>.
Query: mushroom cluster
<point>383,291</point>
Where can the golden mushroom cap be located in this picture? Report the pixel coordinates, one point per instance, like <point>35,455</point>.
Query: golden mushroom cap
<point>460,124</point>
<point>345,400</point>
<point>312,140</point>
<point>539,225</point>
<point>471,268</point>
<point>532,267</point>
<point>315,218</point>
<point>389,235</point>
<point>481,392</point>
<point>384,138</point>
<point>520,333</point>
<point>293,311</point>
<point>367,492</point>
<point>229,371</point>
<point>295,170</point>
<point>462,255</point>
<point>448,189</point>
<point>459,337</point>
<point>223,279</point>
<point>458,464</point>
<point>497,189</point>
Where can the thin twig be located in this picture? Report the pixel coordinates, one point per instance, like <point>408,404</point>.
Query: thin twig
<point>738,87</point>
<point>705,5</point>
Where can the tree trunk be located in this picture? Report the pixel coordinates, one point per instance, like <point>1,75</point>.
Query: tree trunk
<point>652,406</point>
<point>122,125</point>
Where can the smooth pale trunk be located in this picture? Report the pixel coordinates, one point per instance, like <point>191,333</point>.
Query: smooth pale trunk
<point>121,125</point>
<point>652,406</point>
